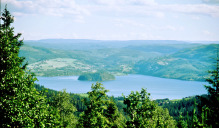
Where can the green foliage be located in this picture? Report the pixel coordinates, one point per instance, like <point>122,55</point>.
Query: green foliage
<point>100,76</point>
<point>195,121</point>
<point>181,110</point>
<point>20,104</point>
<point>100,112</point>
<point>62,102</point>
<point>142,112</point>
<point>139,108</point>
<point>207,113</point>
<point>162,119</point>
<point>182,123</point>
<point>210,104</point>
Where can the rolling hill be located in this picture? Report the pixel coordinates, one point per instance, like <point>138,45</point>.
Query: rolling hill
<point>168,59</point>
<point>187,64</point>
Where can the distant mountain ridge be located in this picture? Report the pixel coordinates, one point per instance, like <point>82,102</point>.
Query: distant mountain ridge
<point>85,44</point>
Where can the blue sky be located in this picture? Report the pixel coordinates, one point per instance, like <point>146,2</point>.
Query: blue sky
<point>116,19</point>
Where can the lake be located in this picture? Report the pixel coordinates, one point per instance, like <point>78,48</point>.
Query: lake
<point>159,88</point>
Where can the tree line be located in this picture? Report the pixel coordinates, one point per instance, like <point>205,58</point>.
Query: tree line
<point>24,104</point>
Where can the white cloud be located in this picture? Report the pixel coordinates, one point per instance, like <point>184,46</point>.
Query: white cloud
<point>206,32</point>
<point>125,22</point>
<point>172,28</point>
<point>127,7</point>
<point>125,2</point>
<point>201,9</point>
<point>151,8</point>
<point>79,19</point>
<point>134,19</point>
<point>159,14</point>
<point>142,2</point>
<point>47,7</point>
<point>167,28</point>
<point>106,2</point>
<point>42,35</point>
<point>17,14</point>
<point>196,18</point>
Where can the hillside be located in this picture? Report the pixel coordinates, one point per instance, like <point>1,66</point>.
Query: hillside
<point>50,62</point>
<point>187,64</point>
<point>168,59</point>
<point>58,62</point>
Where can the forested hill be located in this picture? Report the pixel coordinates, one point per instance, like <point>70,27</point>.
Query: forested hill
<point>99,76</point>
<point>169,59</point>
<point>186,64</point>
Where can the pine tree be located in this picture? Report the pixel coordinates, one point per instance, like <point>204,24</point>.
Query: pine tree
<point>210,104</point>
<point>20,104</point>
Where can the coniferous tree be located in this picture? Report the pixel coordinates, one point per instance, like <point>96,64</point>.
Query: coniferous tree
<point>20,104</point>
<point>195,121</point>
<point>210,104</point>
<point>182,123</point>
<point>100,112</point>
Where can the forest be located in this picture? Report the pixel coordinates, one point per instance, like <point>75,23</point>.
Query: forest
<point>25,104</point>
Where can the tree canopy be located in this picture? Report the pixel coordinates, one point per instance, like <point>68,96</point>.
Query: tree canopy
<point>142,112</point>
<point>21,105</point>
<point>101,112</point>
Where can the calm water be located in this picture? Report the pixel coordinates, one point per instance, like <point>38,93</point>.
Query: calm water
<point>158,87</point>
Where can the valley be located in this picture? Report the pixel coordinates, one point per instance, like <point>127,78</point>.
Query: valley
<point>166,59</point>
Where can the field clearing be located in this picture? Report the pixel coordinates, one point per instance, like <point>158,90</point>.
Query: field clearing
<point>59,63</point>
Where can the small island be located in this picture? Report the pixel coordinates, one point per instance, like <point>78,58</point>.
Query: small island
<point>103,76</point>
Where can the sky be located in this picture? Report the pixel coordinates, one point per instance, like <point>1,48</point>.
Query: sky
<point>193,20</point>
